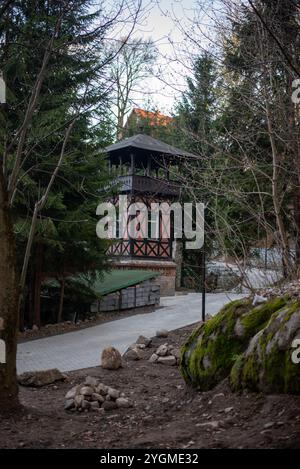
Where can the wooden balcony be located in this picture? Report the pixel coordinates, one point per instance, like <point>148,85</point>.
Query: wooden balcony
<point>154,249</point>
<point>147,184</point>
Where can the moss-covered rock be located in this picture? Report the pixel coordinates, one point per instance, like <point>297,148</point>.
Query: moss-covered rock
<point>211,351</point>
<point>267,365</point>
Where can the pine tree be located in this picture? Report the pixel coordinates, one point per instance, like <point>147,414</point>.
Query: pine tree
<point>52,59</point>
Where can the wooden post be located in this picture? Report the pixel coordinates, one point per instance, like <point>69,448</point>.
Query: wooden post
<point>132,168</point>
<point>149,166</point>
<point>120,165</point>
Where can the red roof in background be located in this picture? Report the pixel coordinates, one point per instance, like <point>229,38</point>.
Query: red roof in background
<point>155,118</point>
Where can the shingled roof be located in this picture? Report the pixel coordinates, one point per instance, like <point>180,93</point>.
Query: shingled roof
<point>147,143</point>
<point>153,118</point>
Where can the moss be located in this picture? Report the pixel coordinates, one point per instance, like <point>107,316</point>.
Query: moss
<point>213,350</point>
<point>235,374</point>
<point>269,370</point>
<point>220,350</point>
<point>259,316</point>
<point>293,307</point>
<point>292,375</point>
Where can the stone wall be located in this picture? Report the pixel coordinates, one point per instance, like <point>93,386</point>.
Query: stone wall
<point>166,269</point>
<point>144,294</point>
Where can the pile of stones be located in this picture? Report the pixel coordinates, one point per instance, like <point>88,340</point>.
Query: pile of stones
<point>94,395</point>
<point>135,351</point>
<point>166,354</point>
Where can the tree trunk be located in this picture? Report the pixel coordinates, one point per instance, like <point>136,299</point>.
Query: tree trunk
<point>287,267</point>
<point>37,286</point>
<point>9,302</point>
<point>293,149</point>
<point>61,302</point>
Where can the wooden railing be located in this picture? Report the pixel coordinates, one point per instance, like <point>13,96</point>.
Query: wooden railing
<point>142,184</point>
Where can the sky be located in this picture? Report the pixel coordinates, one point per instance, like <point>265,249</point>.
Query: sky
<point>169,23</point>
<point>160,24</point>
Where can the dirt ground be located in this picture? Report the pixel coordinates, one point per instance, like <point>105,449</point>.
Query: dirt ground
<point>165,414</point>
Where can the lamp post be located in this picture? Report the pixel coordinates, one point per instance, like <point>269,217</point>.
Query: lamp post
<point>203,270</point>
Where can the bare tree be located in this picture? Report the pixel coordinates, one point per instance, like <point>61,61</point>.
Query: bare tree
<point>264,36</point>
<point>133,64</point>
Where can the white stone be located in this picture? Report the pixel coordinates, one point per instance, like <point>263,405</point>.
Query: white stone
<point>169,360</point>
<point>162,350</point>
<point>153,358</point>
<point>86,391</point>
<point>94,405</point>
<point>78,400</point>
<point>101,389</point>
<point>162,333</point>
<point>214,424</point>
<point>113,393</point>
<point>72,393</point>
<point>97,397</point>
<point>228,410</point>
<point>133,354</point>
<point>123,402</point>
<point>69,404</point>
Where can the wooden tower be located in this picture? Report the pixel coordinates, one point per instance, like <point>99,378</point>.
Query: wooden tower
<point>145,170</point>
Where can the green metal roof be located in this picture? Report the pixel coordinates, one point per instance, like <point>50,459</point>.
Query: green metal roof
<point>118,279</point>
<point>110,282</point>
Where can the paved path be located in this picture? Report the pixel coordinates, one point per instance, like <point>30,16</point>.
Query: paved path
<point>81,349</point>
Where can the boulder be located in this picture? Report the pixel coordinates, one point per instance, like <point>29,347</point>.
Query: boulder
<point>267,365</point>
<point>40,378</point>
<point>210,352</point>
<point>111,359</point>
